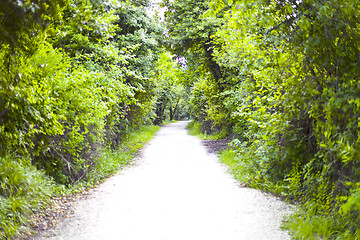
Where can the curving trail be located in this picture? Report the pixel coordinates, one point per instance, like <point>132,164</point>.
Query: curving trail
<point>177,191</point>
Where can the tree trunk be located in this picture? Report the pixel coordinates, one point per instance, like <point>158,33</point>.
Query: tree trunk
<point>171,113</point>
<point>213,66</point>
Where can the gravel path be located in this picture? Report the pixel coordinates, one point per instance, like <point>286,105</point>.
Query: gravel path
<point>177,191</point>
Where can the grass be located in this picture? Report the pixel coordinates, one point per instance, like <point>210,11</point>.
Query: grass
<point>227,156</point>
<point>168,122</point>
<point>310,227</point>
<point>112,161</point>
<point>194,129</point>
<point>25,190</point>
<point>238,169</point>
<point>306,223</point>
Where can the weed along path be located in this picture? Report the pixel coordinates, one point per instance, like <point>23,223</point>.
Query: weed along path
<point>176,191</point>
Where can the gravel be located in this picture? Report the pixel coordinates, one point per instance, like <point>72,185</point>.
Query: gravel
<point>177,190</point>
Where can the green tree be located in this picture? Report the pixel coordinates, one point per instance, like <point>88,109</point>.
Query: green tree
<point>293,97</point>
<point>139,39</point>
<point>63,95</point>
<point>191,36</point>
<point>73,78</point>
<point>24,23</point>
<point>188,31</point>
<point>170,91</point>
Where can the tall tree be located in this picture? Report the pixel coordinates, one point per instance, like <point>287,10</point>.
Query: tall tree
<point>140,37</point>
<point>24,23</point>
<point>188,31</point>
<point>170,90</point>
<point>293,96</point>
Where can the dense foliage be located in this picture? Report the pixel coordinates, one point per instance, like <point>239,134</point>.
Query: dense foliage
<point>171,92</point>
<point>79,85</point>
<point>75,76</point>
<point>279,77</point>
<point>288,92</point>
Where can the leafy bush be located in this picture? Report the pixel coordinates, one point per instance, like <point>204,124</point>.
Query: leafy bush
<point>24,189</point>
<point>289,92</point>
<point>72,84</point>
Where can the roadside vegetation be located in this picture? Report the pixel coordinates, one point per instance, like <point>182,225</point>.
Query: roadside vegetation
<point>78,89</point>
<point>79,79</point>
<point>26,190</point>
<point>282,79</point>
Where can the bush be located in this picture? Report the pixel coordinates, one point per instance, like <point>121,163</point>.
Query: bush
<point>292,90</point>
<point>25,190</point>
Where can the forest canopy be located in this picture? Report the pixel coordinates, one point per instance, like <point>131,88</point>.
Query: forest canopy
<point>280,79</point>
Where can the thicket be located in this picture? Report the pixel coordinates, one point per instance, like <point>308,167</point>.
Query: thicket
<point>172,92</point>
<point>281,77</point>
<point>76,76</point>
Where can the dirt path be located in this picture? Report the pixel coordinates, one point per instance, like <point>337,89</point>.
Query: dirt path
<point>177,191</point>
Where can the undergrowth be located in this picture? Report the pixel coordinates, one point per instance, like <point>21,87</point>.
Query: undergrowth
<point>318,215</point>
<point>167,122</point>
<point>25,189</point>
<point>195,129</point>
<point>111,161</point>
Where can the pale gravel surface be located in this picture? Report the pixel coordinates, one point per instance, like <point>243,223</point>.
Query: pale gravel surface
<point>176,191</point>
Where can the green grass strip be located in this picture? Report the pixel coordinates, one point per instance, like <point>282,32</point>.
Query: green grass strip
<point>25,190</point>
